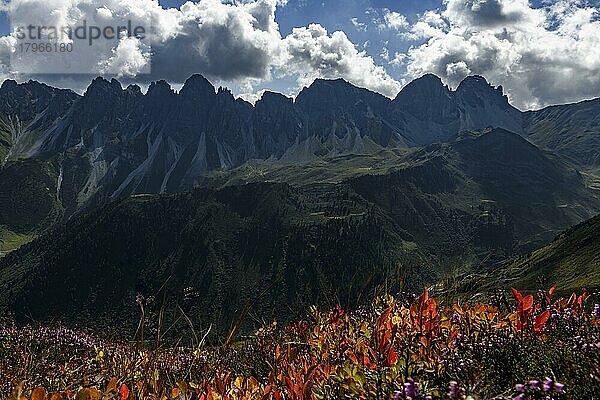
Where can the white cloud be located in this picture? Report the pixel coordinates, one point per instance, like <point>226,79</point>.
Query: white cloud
<point>385,54</point>
<point>129,59</point>
<point>310,52</point>
<point>359,26</point>
<point>398,60</point>
<point>393,21</point>
<point>541,56</point>
<point>252,97</point>
<point>429,24</point>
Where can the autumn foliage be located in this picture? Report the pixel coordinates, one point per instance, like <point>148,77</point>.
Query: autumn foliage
<point>396,348</point>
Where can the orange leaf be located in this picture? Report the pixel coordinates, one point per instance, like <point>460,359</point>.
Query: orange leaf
<point>39,394</point>
<point>425,295</point>
<point>112,386</point>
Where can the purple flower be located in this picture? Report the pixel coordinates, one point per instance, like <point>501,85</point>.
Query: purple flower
<point>458,340</point>
<point>551,386</point>
<point>520,388</point>
<point>454,391</point>
<point>519,397</point>
<point>534,384</point>
<point>596,312</point>
<point>410,389</point>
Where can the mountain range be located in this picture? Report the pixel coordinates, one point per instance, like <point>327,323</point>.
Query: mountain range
<point>321,198</point>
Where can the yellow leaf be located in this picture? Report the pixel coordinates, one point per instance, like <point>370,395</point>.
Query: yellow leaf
<point>112,386</point>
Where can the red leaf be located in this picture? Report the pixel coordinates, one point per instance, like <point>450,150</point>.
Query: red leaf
<point>124,392</point>
<point>551,291</point>
<point>527,302</point>
<point>541,320</point>
<point>392,358</point>
<point>518,296</point>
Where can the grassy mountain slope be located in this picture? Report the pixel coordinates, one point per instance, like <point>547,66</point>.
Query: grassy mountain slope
<point>571,261</point>
<point>495,177</point>
<point>28,202</point>
<point>211,252</point>
<point>571,130</point>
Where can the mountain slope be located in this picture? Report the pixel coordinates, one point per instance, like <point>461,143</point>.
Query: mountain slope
<point>570,262</point>
<point>212,251</point>
<point>571,130</point>
<point>484,197</point>
<point>491,174</point>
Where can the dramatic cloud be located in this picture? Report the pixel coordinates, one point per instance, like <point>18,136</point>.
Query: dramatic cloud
<point>541,56</point>
<point>226,42</point>
<point>222,41</point>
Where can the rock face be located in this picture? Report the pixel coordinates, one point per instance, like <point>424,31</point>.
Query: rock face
<point>114,141</point>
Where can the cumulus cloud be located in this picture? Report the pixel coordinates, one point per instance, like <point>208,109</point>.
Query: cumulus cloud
<point>222,41</point>
<point>129,58</point>
<point>311,52</point>
<point>225,41</point>
<point>393,20</point>
<point>541,56</point>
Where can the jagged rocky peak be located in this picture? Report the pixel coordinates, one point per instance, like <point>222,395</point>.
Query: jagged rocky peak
<point>197,87</point>
<point>26,99</point>
<point>32,87</point>
<point>8,84</point>
<point>224,92</point>
<point>328,88</point>
<point>425,85</point>
<point>272,100</point>
<point>427,98</point>
<point>477,86</point>
<point>324,96</point>
<point>159,89</point>
<point>103,87</point>
<point>134,90</point>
